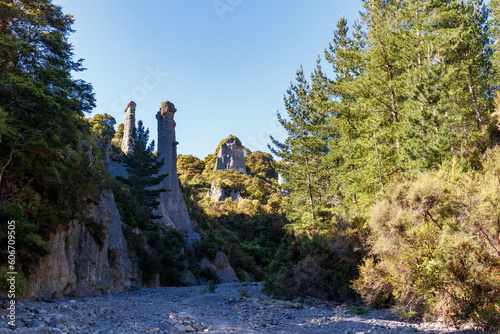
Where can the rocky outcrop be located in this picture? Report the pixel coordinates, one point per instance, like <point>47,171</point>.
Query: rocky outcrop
<point>281,179</point>
<point>219,194</point>
<point>222,267</point>
<point>231,155</point>
<point>128,128</point>
<point>172,207</point>
<point>79,266</point>
<point>113,167</point>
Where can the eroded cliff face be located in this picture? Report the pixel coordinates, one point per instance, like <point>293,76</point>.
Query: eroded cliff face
<point>79,266</point>
<point>172,207</point>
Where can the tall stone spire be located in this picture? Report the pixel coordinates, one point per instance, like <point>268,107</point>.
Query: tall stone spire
<point>129,126</point>
<point>172,207</point>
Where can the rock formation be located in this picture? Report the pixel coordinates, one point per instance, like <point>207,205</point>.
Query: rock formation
<point>281,180</point>
<point>222,267</point>
<point>172,207</point>
<point>231,155</point>
<point>128,128</point>
<point>79,266</point>
<point>218,194</point>
<point>113,167</point>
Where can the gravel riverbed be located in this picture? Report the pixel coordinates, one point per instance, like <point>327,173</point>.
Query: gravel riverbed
<point>232,308</point>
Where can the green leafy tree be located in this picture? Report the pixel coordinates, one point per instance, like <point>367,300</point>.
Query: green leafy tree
<point>103,125</point>
<point>188,166</point>
<point>260,163</point>
<point>346,155</point>
<point>48,171</point>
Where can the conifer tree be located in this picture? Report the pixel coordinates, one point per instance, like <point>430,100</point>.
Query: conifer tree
<point>143,169</point>
<point>345,56</point>
<point>303,149</point>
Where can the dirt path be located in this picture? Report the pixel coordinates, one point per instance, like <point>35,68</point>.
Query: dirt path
<point>233,308</point>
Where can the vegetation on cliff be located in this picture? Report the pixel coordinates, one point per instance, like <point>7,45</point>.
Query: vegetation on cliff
<point>49,170</point>
<point>249,230</point>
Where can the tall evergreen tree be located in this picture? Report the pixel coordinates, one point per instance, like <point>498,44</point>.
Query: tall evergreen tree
<point>143,169</point>
<point>303,149</point>
<point>345,55</point>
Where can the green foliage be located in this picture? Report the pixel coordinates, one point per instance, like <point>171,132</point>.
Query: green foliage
<point>318,262</point>
<point>97,229</point>
<point>211,286</point>
<point>260,164</point>
<point>374,284</point>
<point>247,231</point>
<point>50,166</point>
<point>188,166</point>
<point>437,245</point>
<point>103,125</point>
<point>305,147</point>
<point>210,275</point>
<point>244,292</point>
<point>412,89</point>
<point>143,168</point>
<point>494,25</point>
<point>119,132</point>
<point>20,282</point>
<point>359,309</point>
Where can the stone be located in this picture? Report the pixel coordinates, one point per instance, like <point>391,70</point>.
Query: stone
<point>189,329</point>
<point>172,207</point>
<point>56,319</point>
<point>188,278</point>
<point>56,295</point>
<point>222,267</point>
<point>231,156</point>
<point>180,328</point>
<point>219,194</point>
<point>128,128</point>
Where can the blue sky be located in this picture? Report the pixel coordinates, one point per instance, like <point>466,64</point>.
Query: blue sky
<point>225,64</point>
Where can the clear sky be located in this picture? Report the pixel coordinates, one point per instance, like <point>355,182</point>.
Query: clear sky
<point>225,64</point>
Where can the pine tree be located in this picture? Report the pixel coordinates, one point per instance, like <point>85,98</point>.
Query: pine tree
<point>143,169</point>
<point>303,149</point>
<point>345,55</point>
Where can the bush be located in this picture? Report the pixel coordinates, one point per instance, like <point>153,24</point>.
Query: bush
<point>318,263</point>
<point>374,284</point>
<point>436,242</point>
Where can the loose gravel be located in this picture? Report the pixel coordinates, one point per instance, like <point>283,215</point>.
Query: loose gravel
<point>232,308</point>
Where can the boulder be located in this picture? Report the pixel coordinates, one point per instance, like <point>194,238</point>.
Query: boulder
<point>222,267</point>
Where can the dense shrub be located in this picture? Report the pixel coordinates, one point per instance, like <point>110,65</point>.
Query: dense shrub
<point>318,261</point>
<point>436,240</point>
